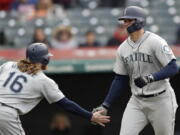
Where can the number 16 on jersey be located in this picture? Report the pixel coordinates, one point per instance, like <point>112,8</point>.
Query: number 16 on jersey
<point>15,82</point>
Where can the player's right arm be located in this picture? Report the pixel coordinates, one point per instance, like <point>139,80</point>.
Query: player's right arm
<point>119,83</point>
<point>53,95</point>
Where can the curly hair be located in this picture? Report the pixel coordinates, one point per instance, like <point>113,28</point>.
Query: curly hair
<point>30,67</point>
<point>62,29</point>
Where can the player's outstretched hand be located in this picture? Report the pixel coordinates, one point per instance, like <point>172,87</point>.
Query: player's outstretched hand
<point>143,80</point>
<point>99,118</point>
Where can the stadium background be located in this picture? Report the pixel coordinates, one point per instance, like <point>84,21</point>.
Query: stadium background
<point>84,74</point>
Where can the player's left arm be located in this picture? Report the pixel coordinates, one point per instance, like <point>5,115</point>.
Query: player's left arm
<point>168,61</point>
<point>168,71</point>
<point>53,94</point>
<point>74,108</point>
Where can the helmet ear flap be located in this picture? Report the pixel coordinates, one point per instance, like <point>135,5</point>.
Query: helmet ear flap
<point>137,25</point>
<point>45,60</point>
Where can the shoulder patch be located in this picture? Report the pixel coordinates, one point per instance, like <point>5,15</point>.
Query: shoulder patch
<point>166,49</point>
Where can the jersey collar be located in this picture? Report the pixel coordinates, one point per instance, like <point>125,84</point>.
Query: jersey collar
<point>140,41</point>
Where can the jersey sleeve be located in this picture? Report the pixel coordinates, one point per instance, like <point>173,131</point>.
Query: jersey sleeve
<point>119,66</point>
<point>2,67</point>
<point>51,91</point>
<point>163,52</point>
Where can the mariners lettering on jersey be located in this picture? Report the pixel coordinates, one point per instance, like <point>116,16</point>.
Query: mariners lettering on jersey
<point>138,57</point>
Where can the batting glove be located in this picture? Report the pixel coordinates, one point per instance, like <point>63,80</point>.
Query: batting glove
<point>97,109</point>
<point>100,108</point>
<point>143,80</point>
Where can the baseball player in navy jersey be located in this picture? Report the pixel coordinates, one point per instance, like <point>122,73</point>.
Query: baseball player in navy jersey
<point>145,61</point>
<point>23,85</point>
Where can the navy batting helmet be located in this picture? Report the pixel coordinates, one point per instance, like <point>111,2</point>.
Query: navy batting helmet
<point>38,53</point>
<point>134,12</point>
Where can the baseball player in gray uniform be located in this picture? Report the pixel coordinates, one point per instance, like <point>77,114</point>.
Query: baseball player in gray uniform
<point>145,61</point>
<point>23,85</point>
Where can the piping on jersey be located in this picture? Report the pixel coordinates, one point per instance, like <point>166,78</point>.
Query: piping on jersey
<point>18,123</point>
<point>138,59</point>
<point>146,36</point>
<point>174,112</point>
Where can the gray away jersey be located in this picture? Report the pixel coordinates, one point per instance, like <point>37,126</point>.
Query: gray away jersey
<point>23,91</point>
<point>148,55</point>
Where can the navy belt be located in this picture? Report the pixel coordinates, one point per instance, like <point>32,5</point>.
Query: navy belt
<point>151,95</point>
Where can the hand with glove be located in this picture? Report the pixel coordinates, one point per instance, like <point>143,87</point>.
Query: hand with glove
<point>100,108</point>
<point>143,80</point>
<point>99,118</point>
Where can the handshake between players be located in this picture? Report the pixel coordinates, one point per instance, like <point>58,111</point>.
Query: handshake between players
<point>99,117</point>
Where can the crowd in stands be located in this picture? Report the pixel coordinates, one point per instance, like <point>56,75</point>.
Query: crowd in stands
<point>62,36</point>
<point>90,40</point>
<point>120,34</point>
<point>39,36</point>
<point>66,4</point>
